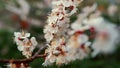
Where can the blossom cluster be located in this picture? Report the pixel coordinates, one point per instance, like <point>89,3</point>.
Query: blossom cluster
<point>105,34</point>
<point>59,50</point>
<point>58,20</point>
<point>25,44</point>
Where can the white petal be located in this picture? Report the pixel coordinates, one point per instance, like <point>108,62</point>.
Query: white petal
<point>26,40</point>
<point>33,40</point>
<point>27,35</point>
<point>20,48</point>
<point>17,34</point>
<point>32,48</point>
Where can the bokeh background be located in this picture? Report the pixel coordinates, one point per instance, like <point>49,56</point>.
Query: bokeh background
<point>32,18</point>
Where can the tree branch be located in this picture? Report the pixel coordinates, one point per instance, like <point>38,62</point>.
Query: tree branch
<point>36,55</point>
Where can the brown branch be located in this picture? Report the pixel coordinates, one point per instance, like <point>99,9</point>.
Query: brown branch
<point>36,55</point>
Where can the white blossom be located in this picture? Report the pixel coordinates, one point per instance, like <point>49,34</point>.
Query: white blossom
<point>24,44</point>
<point>107,36</point>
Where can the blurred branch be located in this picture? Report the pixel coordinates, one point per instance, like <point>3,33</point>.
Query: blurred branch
<point>22,11</point>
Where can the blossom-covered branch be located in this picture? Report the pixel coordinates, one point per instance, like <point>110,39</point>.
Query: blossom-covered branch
<point>56,33</point>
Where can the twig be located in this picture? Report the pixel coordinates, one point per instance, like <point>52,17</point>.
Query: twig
<point>35,56</point>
